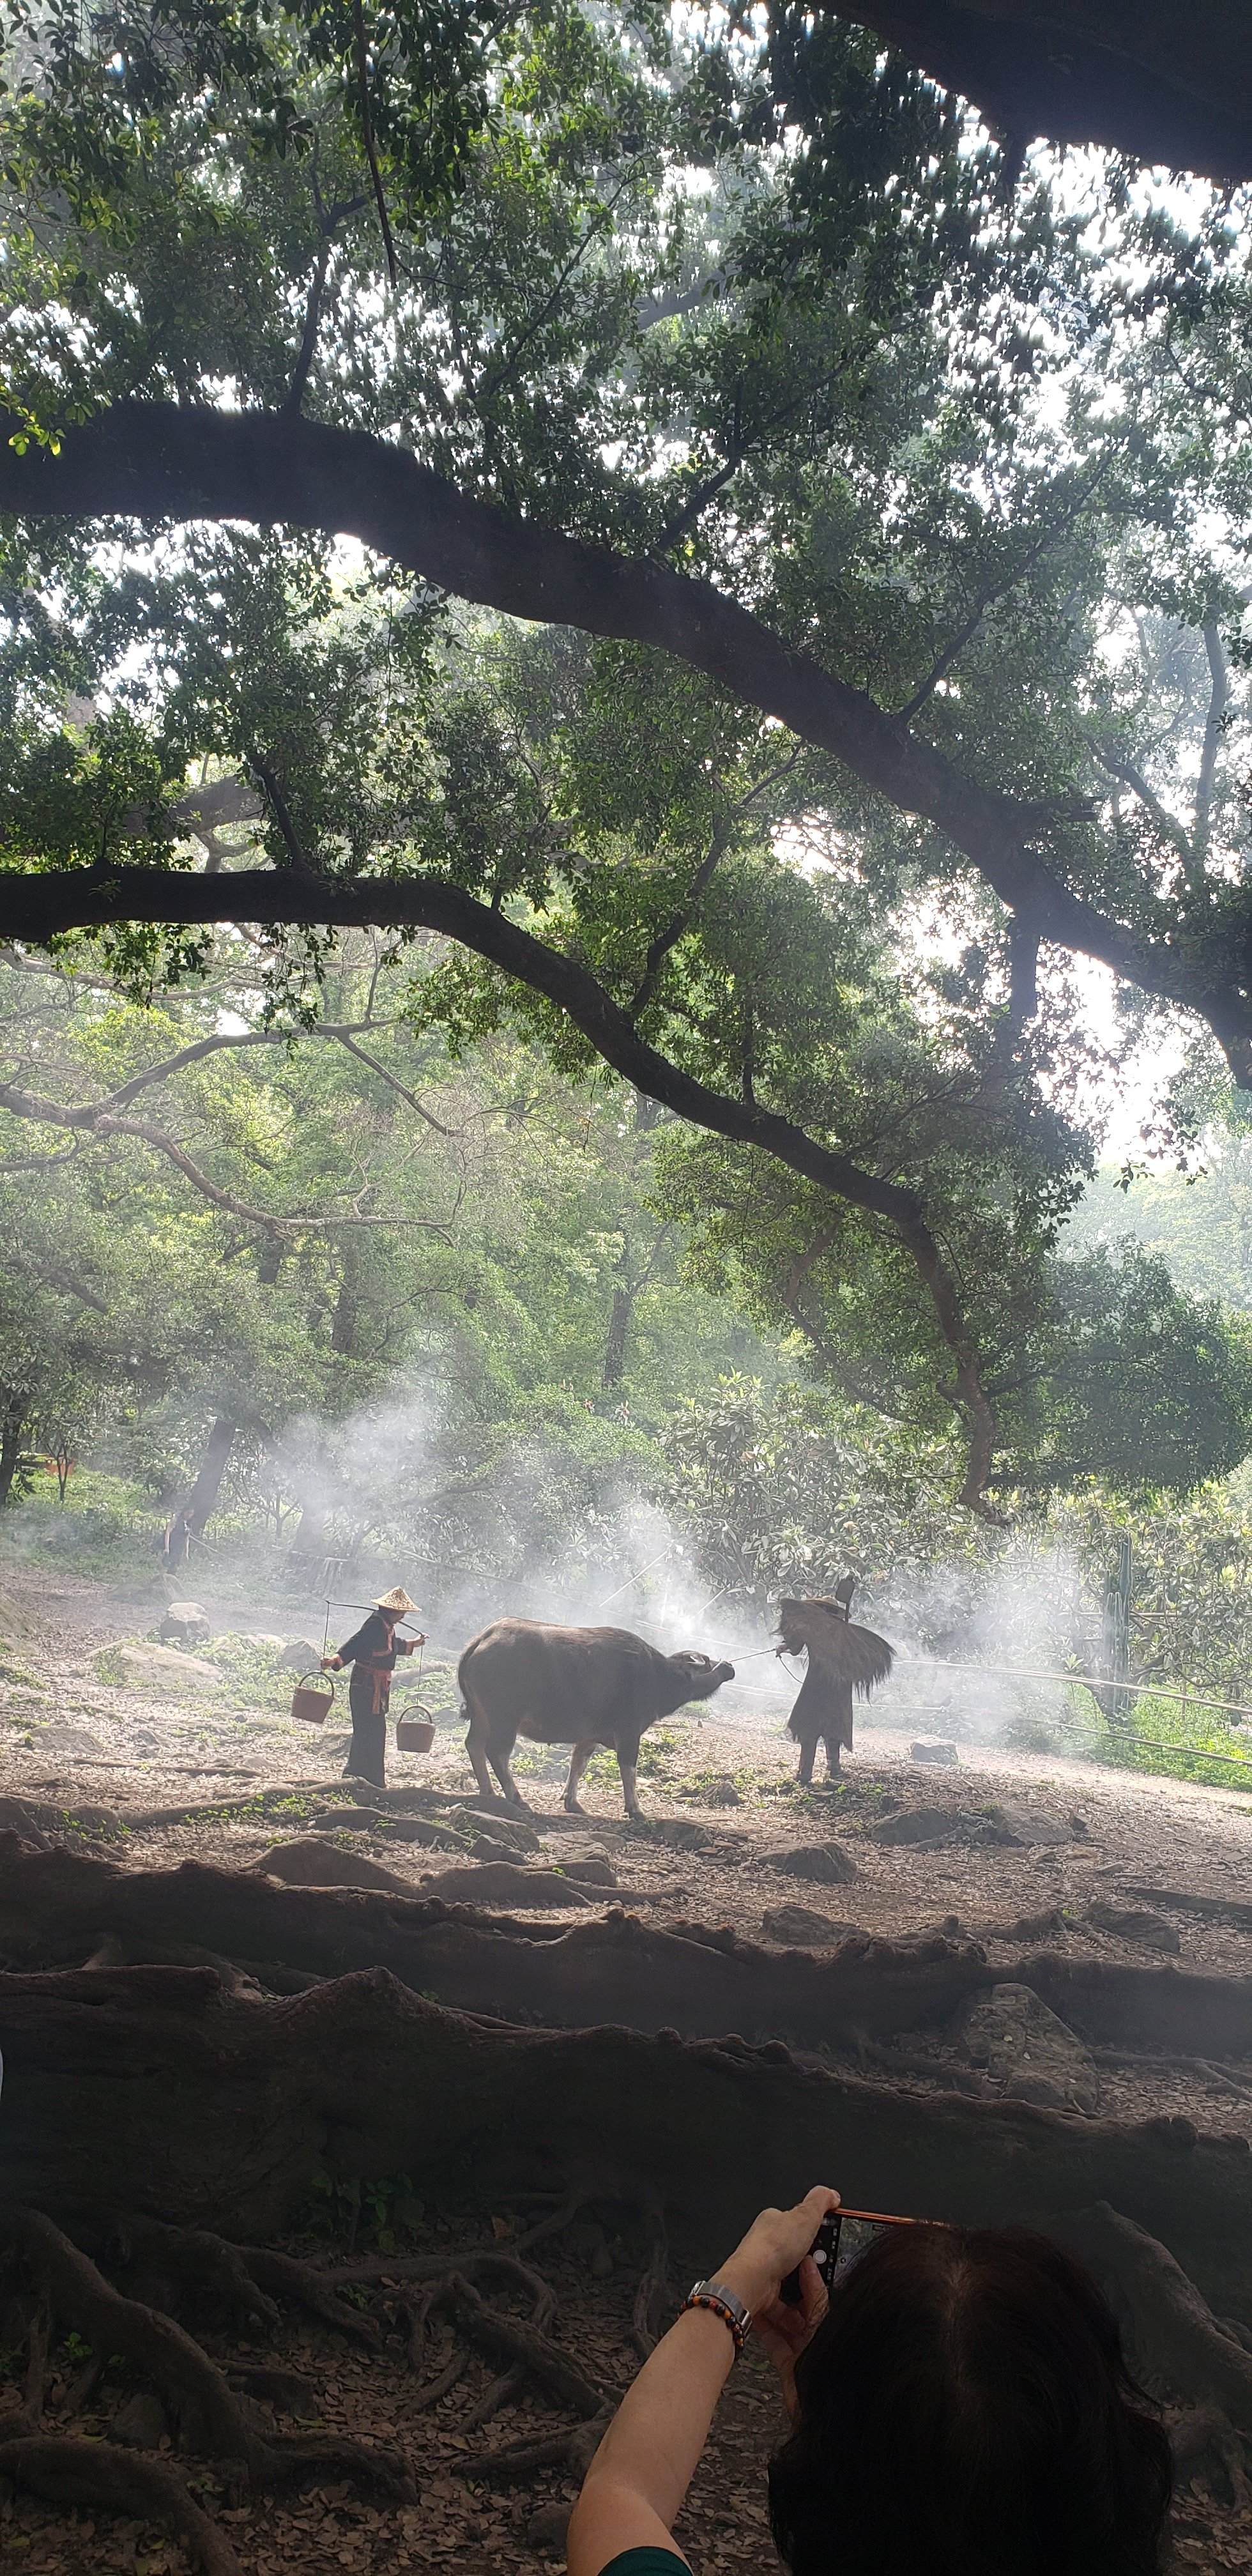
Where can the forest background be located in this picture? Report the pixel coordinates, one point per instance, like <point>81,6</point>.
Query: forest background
<point>604,621</point>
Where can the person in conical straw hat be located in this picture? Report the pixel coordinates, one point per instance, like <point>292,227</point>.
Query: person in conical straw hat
<point>372,1654</point>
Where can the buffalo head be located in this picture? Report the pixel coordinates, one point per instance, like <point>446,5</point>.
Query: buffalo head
<point>699,1674</point>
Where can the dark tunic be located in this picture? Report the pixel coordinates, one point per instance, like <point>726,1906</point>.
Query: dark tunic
<point>372,1654</point>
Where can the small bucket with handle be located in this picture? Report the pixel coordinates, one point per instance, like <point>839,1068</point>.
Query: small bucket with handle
<point>313,1698</point>
<point>415,1734</point>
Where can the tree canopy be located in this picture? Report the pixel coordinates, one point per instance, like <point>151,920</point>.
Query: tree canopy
<point>794,608</point>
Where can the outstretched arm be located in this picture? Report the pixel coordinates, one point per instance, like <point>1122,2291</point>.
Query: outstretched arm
<point>636,2483</point>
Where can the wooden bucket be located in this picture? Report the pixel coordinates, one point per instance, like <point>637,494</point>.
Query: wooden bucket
<point>414,1734</point>
<point>311,1703</point>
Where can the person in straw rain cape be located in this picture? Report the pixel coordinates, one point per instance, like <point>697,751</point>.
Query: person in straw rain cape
<point>372,1654</point>
<point>845,1663</point>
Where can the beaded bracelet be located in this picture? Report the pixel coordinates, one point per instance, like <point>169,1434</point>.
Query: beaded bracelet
<point>705,2295</point>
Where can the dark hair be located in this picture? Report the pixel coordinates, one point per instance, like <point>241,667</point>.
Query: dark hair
<point>965,2410</point>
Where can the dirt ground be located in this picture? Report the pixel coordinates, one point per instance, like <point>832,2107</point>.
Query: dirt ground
<point>69,1735</point>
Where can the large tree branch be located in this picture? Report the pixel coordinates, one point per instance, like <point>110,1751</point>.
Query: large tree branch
<point>162,461</point>
<point>343,1035</point>
<point>39,908</point>
<point>99,1120</point>
<point>1214,728</point>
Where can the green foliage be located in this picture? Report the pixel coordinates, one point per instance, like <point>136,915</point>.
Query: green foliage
<point>748,298</point>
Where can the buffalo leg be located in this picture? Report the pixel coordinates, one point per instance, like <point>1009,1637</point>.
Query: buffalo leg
<point>808,1754</point>
<point>834,1769</point>
<point>498,1750</point>
<point>476,1747</point>
<point>578,1761</point>
<point>627,1763</point>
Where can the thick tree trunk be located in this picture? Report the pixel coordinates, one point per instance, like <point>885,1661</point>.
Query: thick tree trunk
<point>346,1316</point>
<point>164,2091</point>
<point>615,1342</point>
<point>202,1499</point>
<point>12,1425</point>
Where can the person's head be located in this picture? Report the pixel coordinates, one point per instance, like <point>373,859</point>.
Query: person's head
<point>394,1605</point>
<point>965,2410</point>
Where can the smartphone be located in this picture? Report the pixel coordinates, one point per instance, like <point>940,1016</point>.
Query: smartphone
<point>841,2240</point>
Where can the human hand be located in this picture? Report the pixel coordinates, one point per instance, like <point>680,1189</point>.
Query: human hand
<point>332,1664</point>
<point>778,2243</point>
<point>775,2244</point>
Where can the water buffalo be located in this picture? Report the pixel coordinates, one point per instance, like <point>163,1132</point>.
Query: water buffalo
<point>578,1686</point>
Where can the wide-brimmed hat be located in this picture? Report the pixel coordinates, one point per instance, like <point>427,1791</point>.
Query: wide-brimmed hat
<point>398,1600</point>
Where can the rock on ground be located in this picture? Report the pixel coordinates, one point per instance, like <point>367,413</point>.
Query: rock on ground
<point>300,1657</point>
<point>798,1927</point>
<point>164,1670</point>
<point>1029,2053</point>
<point>185,1624</point>
<point>827,1864</point>
<point>1135,1923</point>
<point>1030,1824</point>
<point>913,1825</point>
<point>938,1753</point>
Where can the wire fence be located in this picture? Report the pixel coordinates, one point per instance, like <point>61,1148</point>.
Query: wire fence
<point>1098,1684</point>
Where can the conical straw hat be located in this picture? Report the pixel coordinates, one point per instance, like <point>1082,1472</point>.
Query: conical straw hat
<point>397,1600</point>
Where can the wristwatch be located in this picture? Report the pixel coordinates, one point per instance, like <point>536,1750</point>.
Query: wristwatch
<point>725,2304</point>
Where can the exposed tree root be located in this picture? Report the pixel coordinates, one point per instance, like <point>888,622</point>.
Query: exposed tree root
<point>302,2284</point>
<point>572,2451</point>
<point>1175,2341</point>
<point>213,2271</point>
<point>209,2417</point>
<point>611,1969</point>
<point>286,2390</point>
<point>552,2369</point>
<point>69,2473</point>
<point>937,2070</point>
<point>501,2393</point>
<point>652,2290</point>
<point>1205,2445</point>
<point>223,2111</point>
<point>212,2418</point>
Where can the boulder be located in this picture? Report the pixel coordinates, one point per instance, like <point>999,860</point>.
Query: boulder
<point>1029,2054</point>
<point>512,1831</point>
<point>60,1736</point>
<point>913,1825</point>
<point>185,1624</point>
<point>721,1793</point>
<point>1134,1923</point>
<point>797,1927</point>
<point>826,1864</point>
<point>300,1657</point>
<point>312,1863</point>
<point>1019,1823</point>
<point>163,1671</point>
<point>593,1872</point>
<point>939,1753</point>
